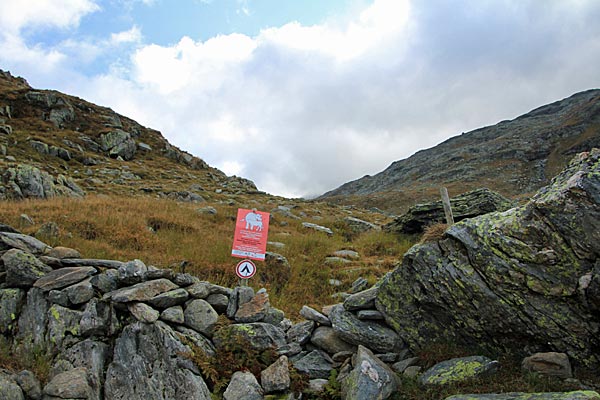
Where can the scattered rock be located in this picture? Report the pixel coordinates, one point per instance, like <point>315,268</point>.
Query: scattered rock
<point>550,364</point>
<point>317,228</point>
<point>458,370</point>
<point>360,226</point>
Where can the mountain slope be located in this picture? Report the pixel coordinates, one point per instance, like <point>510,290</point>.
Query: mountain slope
<point>512,157</point>
<point>99,150</point>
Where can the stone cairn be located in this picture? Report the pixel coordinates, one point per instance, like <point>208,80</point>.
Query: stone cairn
<point>121,330</point>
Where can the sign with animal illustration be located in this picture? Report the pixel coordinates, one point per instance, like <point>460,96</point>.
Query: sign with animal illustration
<point>250,238</point>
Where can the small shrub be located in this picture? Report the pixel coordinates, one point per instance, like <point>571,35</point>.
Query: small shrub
<point>434,232</point>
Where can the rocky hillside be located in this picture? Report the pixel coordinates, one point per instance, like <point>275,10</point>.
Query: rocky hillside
<point>514,158</point>
<point>55,144</point>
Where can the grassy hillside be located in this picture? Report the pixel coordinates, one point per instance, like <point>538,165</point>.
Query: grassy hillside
<point>163,233</point>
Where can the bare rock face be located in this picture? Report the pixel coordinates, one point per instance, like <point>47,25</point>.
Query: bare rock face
<point>146,366</point>
<point>521,279</point>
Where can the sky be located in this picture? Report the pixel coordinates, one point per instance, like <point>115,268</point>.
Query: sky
<point>301,96</point>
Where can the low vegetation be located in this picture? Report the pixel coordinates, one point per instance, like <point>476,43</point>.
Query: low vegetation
<point>167,234</point>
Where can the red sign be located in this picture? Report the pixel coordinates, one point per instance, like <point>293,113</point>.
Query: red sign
<point>245,269</point>
<point>251,230</point>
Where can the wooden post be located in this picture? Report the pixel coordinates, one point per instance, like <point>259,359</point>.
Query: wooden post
<point>447,206</point>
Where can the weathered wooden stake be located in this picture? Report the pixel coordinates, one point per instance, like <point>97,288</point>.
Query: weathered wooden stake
<point>447,206</point>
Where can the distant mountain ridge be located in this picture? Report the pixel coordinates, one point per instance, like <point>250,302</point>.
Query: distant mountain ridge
<point>513,157</point>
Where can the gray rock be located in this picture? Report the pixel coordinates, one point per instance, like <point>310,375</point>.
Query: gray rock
<point>63,252</point>
<point>239,296</point>
<point>197,339</point>
<point>48,230</point>
<point>23,269</point>
<point>316,364</point>
<point>132,272</point>
<point>143,312</point>
<point>106,281</point>
<point>359,285</point>
<point>313,315</point>
<point>33,320</point>
<point>185,280</point>
<point>290,349</point>
<point>401,366</point>
<point>91,355</point>
<point>148,363</point>
<point>300,332</point>
<point>219,302</point>
<point>387,358</point>
<point>200,316</point>
<point>9,389</point>
<point>61,278</point>
<point>316,385</point>
<point>81,292</point>
<point>96,318</point>
<point>59,297</point>
<point>348,254</point>
<point>243,385</point>
<point>373,315</point>
<point>118,143</point>
<point>72,384</point>
<point>209,210</point>
<point>274,316</point>
<point>11,302</point>
<point>143,291</point>
<point>513,278</point>
<point>169,299</point>
<point>550,364</point>
<point>362,300</point>
<point>255,310</point>
<point>276,377</point>
<point>28,244</point>
<point>200,290</point>
<point>458,370</point>
<point>360,226</point>
<point>317,228</point>
<point>371,378</point>
<point>173,315</point>
<point>366,333</point>
<point>327,339</point>
<point>62,321</point>
<point>336,260</point>
<point>258,335</point>
<point>30,384</point>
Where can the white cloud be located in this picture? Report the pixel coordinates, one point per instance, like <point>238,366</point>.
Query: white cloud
<point>15,15</point>
<point>302,109</point>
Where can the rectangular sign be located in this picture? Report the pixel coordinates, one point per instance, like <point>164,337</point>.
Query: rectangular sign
<point>251,230</point>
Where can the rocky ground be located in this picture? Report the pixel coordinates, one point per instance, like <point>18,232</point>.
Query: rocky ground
<point>523,280</point>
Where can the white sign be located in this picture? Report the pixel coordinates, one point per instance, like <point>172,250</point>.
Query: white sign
<point>245,269</point>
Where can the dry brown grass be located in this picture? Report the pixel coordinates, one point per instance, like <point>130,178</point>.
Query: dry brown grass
<point>434,232</point>
<point>163,233</point>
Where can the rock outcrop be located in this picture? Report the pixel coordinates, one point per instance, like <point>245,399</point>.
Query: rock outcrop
<point>466,205</point>
<point>526,279</point>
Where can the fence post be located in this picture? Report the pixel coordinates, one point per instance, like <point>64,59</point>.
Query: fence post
<point>447,206</point>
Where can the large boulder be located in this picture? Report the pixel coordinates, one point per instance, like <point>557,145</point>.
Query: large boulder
<point>522,279</point>
<point>147,364</point>
<point>26,181</point>
<point>466,205</point>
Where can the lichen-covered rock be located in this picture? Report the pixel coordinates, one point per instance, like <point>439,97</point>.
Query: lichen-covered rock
<point>258,335</point>
<point>143,291</point>
<point>466,205</point>
<point>26,181</point>
<point>458,370</point>
<point>578,395</point>
<point>14,240</point>
<point>517,279</point>
<point>361,300</point>
<point>371,378</point>
<point>369,334</point>
<point>23,269</point>
<point>360,226</point>
<point>11,302</point>
<point>118,143</point>
<point>149,363</point>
